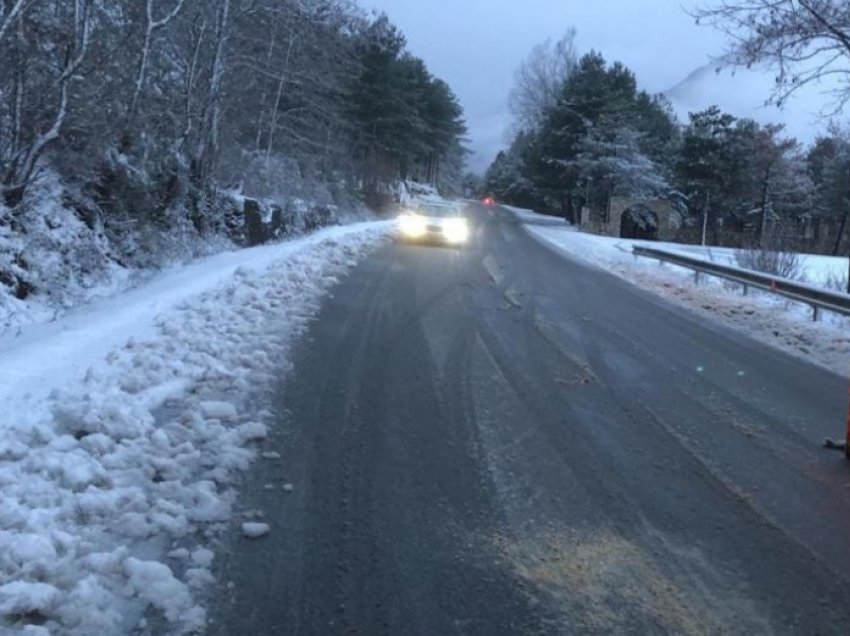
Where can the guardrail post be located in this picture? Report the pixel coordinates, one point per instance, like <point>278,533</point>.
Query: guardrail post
<point>815,313</point>
<point>746,289</point>
<point>696,278</point>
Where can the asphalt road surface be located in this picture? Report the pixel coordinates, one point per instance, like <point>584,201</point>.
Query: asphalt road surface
<point>501,441</point>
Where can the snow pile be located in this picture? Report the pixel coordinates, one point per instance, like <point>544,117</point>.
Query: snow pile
<point>124,426</point>
<point>769,318</point>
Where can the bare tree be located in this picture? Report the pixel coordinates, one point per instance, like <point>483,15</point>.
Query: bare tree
<point>151,26</point>
<point>770,151</point>
<point>207,148</point>
<point>807,41</point>
<point>9,12</point>
<point>539,80</point>
<point>24,162</point>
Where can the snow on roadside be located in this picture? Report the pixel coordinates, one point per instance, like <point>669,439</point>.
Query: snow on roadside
<point>817,269</point>
<point>528,216</point>
<point>124,425</point>
<point>766,317</point>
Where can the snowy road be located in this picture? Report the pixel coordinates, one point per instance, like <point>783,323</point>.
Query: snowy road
<point>503,441</point>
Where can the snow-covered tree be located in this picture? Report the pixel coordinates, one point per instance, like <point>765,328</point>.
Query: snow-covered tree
<point>73,25</point>
<point>614,162</point>
<point>829,169</point>
<point>139,113</point>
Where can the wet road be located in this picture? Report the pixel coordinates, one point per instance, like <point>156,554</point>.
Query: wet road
<point>501,441</point>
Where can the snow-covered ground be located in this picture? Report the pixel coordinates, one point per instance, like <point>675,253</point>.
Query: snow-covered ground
<point>124,424</point>
<point>527,216</point>
<point>769,318</point>
<point>817,270</point>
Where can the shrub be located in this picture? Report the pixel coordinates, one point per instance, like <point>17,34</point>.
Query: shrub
<point>776,262</point>
<point>837,281</point>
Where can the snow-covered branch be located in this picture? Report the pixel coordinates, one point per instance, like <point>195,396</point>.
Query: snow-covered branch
<point>152,25</point>
<point>24,165</point>
<point>805,40</point>
<point>10,14</point>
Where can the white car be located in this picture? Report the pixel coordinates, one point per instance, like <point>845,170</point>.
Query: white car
<point>434,223</point>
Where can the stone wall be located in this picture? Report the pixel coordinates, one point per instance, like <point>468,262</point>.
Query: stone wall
<point>669,220</point>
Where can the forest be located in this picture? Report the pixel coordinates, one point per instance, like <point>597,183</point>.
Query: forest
<point>126,126</point>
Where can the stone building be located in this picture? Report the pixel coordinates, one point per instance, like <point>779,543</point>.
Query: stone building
<point>651,219</point>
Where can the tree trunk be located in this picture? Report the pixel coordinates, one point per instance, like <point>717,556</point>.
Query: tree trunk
<point>24,165</point>
<point>7,20</point>
<point>20,77</point>
<point>837,249</point>
<point>705,212</point>
<point>765,197</point>
<point>284,76</point>
<point>265,95</point>
<point>151,26</point>
<point>190,86</point>
<point>207,150</point>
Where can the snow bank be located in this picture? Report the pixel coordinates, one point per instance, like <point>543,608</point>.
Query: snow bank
<point>818,270</point>
<point>771,319</point>
<point>124,425</point>
<point>529,216</point>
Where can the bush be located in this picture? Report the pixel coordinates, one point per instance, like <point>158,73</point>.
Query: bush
<point>837,281</point>
<point>776,262</point>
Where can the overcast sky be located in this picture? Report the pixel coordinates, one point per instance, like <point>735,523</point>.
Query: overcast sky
<point>476,45</point>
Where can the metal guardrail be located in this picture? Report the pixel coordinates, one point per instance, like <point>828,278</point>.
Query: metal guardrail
<point>816,297</point>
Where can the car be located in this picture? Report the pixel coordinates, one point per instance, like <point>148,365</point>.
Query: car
<point>488,200</point>
<point>434,223</point>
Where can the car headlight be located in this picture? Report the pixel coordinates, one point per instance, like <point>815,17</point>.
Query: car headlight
<point>456,230</point>
<point>412,225</point>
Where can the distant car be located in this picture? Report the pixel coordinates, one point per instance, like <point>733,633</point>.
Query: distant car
<point>434,223</point>
<point>488,200</point>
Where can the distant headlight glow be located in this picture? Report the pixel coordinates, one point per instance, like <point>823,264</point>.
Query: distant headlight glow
<point>412,225</point>
<point>456,230</point>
